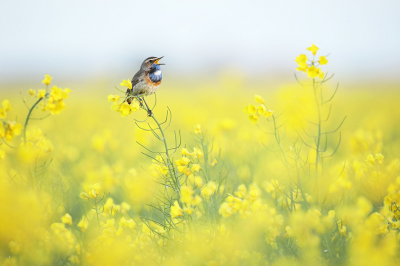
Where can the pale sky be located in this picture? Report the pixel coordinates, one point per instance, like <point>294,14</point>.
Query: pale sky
<point>86,39</point>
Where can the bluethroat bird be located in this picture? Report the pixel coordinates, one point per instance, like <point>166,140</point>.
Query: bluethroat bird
<point>146,81</point>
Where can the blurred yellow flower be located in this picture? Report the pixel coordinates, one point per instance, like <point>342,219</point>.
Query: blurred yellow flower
<point>195,168</point>
<point>47,79</point>
<point>371,159</point>
<point>197,153</point>
<point>182,161</point>
<point>12,129</point>
<point>113,98</point>
<point>214,162</point>
<point>261,109</point>
<point>41,94</point>
<point>31,92</point>
<point>197,129</point>
<point>379,157</point>
<point>254,118</point>
<point>67,219</point>
<point>313,49</point>
<point>302,62</point>
<point>289,231</point>
<point>176,210</point>
<point>3,114</point>
<point>83,224</point>
<point>268,113</point>
<point>259,99</point>
<point>6,105</point>
<point>186,194</point>
<point>313,72</point>
<point>198,181</point>
<point>323,60</point>
<point>126,83</point>
<point>2,155</point>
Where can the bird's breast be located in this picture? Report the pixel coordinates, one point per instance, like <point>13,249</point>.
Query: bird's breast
<point>155,76</point>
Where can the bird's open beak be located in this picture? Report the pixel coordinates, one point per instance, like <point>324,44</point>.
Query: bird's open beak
<point>156,62</point>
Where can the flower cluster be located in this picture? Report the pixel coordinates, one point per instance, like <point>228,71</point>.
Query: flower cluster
<point>255,112</point>
<point>311,66</point>
<point>91,193</point>
<point>8,129</point>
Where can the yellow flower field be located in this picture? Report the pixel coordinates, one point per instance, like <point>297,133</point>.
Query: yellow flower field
<point>224,172</point>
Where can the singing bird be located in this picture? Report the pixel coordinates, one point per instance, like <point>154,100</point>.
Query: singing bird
<point>147,80</point>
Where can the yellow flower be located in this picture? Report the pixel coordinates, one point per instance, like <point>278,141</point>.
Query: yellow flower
<point>47,79</point>
<point>176,210</point>
<point>301,60</point>
<point>125,207</point>
<point>261,109</point>
<point>225,209</point>
<point>3,114</point>
<point>195,168</point>
<point>251,109</point>
<point>209,189</point>
<point>214,162</point>
<point>198,181</point>
<point>197,153</point>
<point>313,49</point>
<point>6,105</point>
<point>185,152</point>
<point>56,93</point>
<point>323,60</point>
<point>126,83</point>
<point>268,113</point>
<point>2,155</point>
<point>12,129</point>
<point>119,231</point>
<point>188,210</point>
<point>186,194</point>
<point>289,232</point>
<point>67,219</point>
<point>254,118</point>
<point>83,224</point>
<point>122,222</point>
<point>182,161</point>
<point>113,98</point>
<point>313,72</point>
<point>371,159</point>
<point>41,94</point>
<point>259,99</point>
<point>196,200</point>
<point>32,92</point>
<point>125,109</point>
<point>130,224</point>
<point>379,157</point>
<point>197,129</point>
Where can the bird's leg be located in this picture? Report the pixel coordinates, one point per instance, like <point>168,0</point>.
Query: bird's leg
<point>149,112</point>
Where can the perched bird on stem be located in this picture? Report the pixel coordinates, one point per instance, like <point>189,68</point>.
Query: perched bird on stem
<point>146,81</point>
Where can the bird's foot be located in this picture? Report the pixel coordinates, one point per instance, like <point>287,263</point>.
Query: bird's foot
<point>149,112</point>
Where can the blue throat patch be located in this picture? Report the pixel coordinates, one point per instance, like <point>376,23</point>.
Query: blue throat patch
<point>155,74</point>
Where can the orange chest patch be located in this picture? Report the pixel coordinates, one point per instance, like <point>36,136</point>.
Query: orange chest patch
<point>151,83</point>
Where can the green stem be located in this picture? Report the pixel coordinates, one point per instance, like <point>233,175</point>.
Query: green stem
<point>317,155</point>
<point>28,116</point>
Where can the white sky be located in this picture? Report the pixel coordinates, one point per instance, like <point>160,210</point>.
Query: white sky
<point>85,39</point>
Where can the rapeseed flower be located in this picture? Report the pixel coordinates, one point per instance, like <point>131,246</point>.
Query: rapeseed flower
<point>176,210</point>
<point>313,49</point>
<point>67,219</point>
<point>126,83</point>
<point>31,92</point>
<point>47,79</point>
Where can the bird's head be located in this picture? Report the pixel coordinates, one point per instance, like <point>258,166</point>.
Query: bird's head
<point>151,62</point>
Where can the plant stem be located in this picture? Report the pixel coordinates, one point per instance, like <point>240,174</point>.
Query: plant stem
<point>28,116</point>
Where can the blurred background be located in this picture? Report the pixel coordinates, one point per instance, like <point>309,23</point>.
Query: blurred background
<point>86,40</point>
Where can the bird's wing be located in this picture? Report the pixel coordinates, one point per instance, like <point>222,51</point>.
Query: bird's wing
<point>134,81</point>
